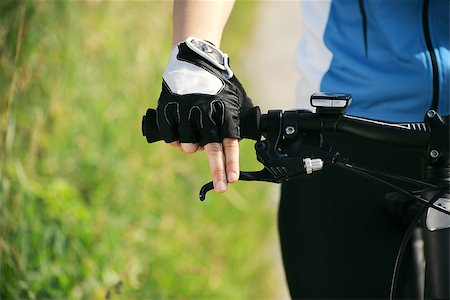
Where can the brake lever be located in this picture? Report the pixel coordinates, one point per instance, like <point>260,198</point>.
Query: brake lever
<point>281,166</point>
<point>263,175</point>
<point>274,174</point>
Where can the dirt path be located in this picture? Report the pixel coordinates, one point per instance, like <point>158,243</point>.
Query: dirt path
<point>270,63</point>
<point>270,59</point>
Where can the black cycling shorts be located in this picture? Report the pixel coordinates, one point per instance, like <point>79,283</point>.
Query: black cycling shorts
<point>339,235</point>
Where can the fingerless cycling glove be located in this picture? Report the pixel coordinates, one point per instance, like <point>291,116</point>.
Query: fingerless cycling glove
<point>201,99</point>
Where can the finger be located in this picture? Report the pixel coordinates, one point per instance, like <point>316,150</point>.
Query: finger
<point>176,144</point>
<point>189,147</point>
<point>231,151</point>
<point>217,166</point>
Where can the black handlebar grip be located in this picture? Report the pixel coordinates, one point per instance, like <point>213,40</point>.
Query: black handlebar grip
<point>249,125</point>
<point>150,126</point>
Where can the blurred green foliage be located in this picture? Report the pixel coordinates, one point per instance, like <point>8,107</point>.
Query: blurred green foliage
<point>87,208</point>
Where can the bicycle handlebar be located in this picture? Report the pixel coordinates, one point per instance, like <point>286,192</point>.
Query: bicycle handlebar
<point>416,135</point>
<point>277,126</point>
<point>408,134</point>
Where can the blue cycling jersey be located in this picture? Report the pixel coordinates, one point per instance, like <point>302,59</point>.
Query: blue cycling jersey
<point>392,56</point>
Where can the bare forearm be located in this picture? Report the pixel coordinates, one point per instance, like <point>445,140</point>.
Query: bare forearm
<point>204,19</point>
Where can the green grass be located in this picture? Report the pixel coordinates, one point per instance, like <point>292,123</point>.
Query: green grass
<point>88,209</point>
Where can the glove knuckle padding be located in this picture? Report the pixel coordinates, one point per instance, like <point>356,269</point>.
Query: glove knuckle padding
<point>195,117</point>
<point>217,112</point>
<point>167,117</point>
<point>201,99</point>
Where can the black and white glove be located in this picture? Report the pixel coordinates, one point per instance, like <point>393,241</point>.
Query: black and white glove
<point>201,99</point>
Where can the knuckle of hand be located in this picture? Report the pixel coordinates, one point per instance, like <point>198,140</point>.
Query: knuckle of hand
<point>229,147</point>
<point>190,149</point>
<point>232,164</point>
<point>213,148</point>
<point>218,173</point>
<point>230,143</point>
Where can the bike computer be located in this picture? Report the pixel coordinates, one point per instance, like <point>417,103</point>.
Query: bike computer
<point>331,103</point>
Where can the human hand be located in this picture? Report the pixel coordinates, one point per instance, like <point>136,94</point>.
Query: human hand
<point>200,105</point>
